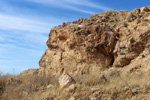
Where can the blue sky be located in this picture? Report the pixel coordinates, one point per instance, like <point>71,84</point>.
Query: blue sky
<point>25,25</point>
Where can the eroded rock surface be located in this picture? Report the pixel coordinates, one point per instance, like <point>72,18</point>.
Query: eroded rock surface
<point>91,45</point>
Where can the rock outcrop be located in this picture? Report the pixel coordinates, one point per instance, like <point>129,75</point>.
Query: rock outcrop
<point>92,45</point>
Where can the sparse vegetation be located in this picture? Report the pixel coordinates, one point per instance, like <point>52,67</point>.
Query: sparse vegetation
<point>99,86</point>
<point>40,80</point>
<point>16,88</point>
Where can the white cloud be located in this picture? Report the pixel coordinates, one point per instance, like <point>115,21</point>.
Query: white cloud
<point>72,4</point>
<point>8,22</point>
<point>88,4</point>
<point>9,47</point>
<point>80,10</point>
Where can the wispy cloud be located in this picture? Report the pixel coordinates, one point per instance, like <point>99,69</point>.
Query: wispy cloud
<point>76,5</point>
<point>8,22</point>
<point>28,32</point>
<point>22,41</point>
<point>88,4</point>
<point>80,10</point>
<point>8,46</point>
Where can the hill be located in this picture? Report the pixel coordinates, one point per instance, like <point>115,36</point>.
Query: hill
<point>104,57</point>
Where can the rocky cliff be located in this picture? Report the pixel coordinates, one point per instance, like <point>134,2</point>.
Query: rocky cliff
<point>92,45</point>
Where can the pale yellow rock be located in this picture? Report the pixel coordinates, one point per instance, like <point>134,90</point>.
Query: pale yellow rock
<point>65,80</point>
<point>50,86</point>
<point>144,9</point>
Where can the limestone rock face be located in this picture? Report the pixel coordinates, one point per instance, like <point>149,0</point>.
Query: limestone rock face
<point>91,45</point>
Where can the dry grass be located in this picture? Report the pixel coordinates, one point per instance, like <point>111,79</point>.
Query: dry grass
<point>91,80</point>
<point>117,87</point>
<point>40,80</point>
<point>33,88</point>
<point>3,80</point>
<point>99,86</point>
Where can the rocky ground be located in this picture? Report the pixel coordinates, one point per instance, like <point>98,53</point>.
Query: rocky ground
<point>104,57</point>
